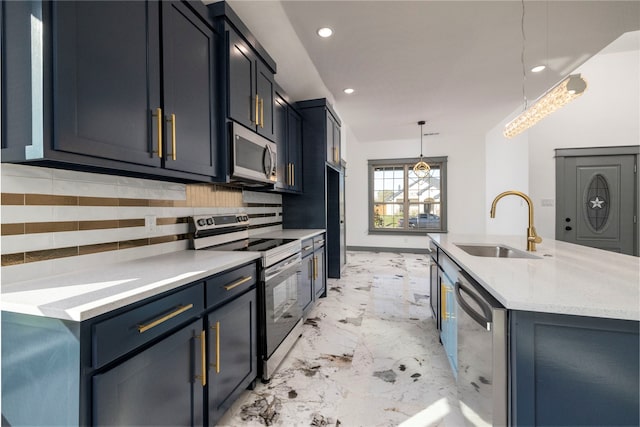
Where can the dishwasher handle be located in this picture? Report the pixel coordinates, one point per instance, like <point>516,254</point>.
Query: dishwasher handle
<point>485,319</point>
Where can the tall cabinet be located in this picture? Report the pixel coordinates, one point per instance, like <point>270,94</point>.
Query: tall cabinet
<point>321,205</point>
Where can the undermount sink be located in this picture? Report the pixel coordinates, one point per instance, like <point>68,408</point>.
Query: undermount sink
<point>495,251</point>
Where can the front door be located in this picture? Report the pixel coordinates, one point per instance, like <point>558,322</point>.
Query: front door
<point>597,196</point>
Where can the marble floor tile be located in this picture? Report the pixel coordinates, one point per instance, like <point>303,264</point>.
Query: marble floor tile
<point>369,355</point>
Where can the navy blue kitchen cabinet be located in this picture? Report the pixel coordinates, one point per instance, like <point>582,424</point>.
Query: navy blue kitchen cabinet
<point>305,283</point>
<point>288,137</point>
<point>333,140</point>
<point>248,73</point>
<point>179,358</point>
<point>321,203</point>
<point>130,86</point>
<point>232,350</point>
<point>155,387</point>
<point>319,267</point>
<point>574,370</point>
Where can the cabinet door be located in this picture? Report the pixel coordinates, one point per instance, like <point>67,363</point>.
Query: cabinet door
<point>329,136</point>
<point>305,283</point>
<point>294,149</point>
<point>189,91</point>
<point>106,59</point>
<point>320,280</point>
<point>280,126</point>
<point>232,349</point>
<point>265,92</point>
<point>336,144</point>
<point>241,77</point>
<point>155,387</point>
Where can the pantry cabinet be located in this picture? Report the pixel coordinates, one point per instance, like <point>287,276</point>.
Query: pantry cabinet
<point>129,87</point>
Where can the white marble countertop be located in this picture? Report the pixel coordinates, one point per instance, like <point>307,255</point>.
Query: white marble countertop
<point>565,279</point>
<point>293,233</point>
<point>85,294</point>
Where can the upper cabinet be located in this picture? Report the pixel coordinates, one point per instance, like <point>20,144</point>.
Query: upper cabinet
<point>333,139</point>
<point>249,75</point>
<point>288,137</point>
<point>133,87</point>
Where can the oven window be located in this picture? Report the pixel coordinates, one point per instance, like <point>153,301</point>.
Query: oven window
<point>285,297</point>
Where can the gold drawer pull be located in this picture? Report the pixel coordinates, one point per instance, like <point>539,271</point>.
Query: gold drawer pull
<point>238,283</point>
<point>179,310</point>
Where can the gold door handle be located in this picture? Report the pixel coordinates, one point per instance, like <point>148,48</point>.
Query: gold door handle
<point>293,174</point>
<point>262,113</point>
<point>158,116</point>
<point>238,283</point>
<point>257,120</point>
<point>315,267</point>
<point>146,326</point>
<point>203,354</point>
<point>443,302</point>
<point>217,328</point>
<point>172,119</point>
<point>290,177</point>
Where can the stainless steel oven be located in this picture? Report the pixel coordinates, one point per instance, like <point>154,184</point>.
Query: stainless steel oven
<point>282,312</point>
<point>279,312</point>
<point>254,158</point>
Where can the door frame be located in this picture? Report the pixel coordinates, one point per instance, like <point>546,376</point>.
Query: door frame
<point>627,150</point>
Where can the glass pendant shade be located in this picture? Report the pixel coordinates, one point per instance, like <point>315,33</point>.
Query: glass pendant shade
<point>422,168</point>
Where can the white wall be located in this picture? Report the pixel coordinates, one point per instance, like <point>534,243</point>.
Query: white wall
<point>465,193</point>
<point>607,114</point>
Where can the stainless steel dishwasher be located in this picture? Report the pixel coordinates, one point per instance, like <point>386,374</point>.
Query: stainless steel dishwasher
<point>482,354</point>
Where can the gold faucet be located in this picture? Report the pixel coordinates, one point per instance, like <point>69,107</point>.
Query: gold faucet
<point>532,237</point>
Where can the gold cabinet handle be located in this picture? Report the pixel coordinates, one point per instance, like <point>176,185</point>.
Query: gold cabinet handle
<point>262,113</point>
<point>203,354</point>
<point>293,174</point>
<point>238,283</point>
<point>315,267</point>
<point>443,302</point>
<point>217,328</point>
<point>158,116</point>
<point>290,174</point>
<point>257,120</point>
<point>172,119</point>
<point>145,327</point>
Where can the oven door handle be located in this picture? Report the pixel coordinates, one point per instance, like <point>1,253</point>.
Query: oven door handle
<point>289,268</point>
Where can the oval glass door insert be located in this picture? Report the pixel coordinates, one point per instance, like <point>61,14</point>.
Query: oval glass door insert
<point>596,205</point>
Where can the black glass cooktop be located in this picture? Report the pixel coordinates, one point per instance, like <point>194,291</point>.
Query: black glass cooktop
<point>253,245</point>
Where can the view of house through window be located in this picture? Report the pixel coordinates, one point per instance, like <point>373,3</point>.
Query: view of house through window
<point>401,201</point>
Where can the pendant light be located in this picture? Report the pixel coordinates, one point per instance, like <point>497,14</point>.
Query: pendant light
<point>421,169</point>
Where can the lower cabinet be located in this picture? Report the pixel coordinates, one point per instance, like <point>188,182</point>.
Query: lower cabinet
<point>158,386</point>
<point>313,277</point>
<point>179,359</point>
<point>232,341</point>
<point>319,276</point>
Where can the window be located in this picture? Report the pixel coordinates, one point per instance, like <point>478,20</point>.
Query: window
<point>400,202</point>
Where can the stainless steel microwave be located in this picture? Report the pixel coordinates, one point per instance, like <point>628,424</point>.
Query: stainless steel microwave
<point>254,158</point>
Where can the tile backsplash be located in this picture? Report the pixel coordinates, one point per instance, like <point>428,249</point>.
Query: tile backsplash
<point>55,221</point>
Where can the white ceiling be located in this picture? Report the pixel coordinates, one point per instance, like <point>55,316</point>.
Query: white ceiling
<point>456,64</point>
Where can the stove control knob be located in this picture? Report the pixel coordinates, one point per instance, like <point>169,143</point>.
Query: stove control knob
<point>210,221</point>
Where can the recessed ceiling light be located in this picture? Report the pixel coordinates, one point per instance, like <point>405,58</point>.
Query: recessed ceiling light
<point>538,68</point>
<point>325,32</point>
<point>348,91</point>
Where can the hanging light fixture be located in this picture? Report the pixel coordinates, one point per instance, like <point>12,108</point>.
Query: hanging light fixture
<point>559,95</point>
<point>556,97</point>
<point>421,169</point>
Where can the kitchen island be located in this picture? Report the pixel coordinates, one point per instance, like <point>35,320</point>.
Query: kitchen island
<point>572,326</point>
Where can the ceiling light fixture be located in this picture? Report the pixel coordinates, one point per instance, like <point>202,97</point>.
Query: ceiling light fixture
<point>538,68</point>
<point>421,169</point>
<point>556,97</point>
<point>559,95</point>
<point>348,91</point>
<point>325,32</point>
